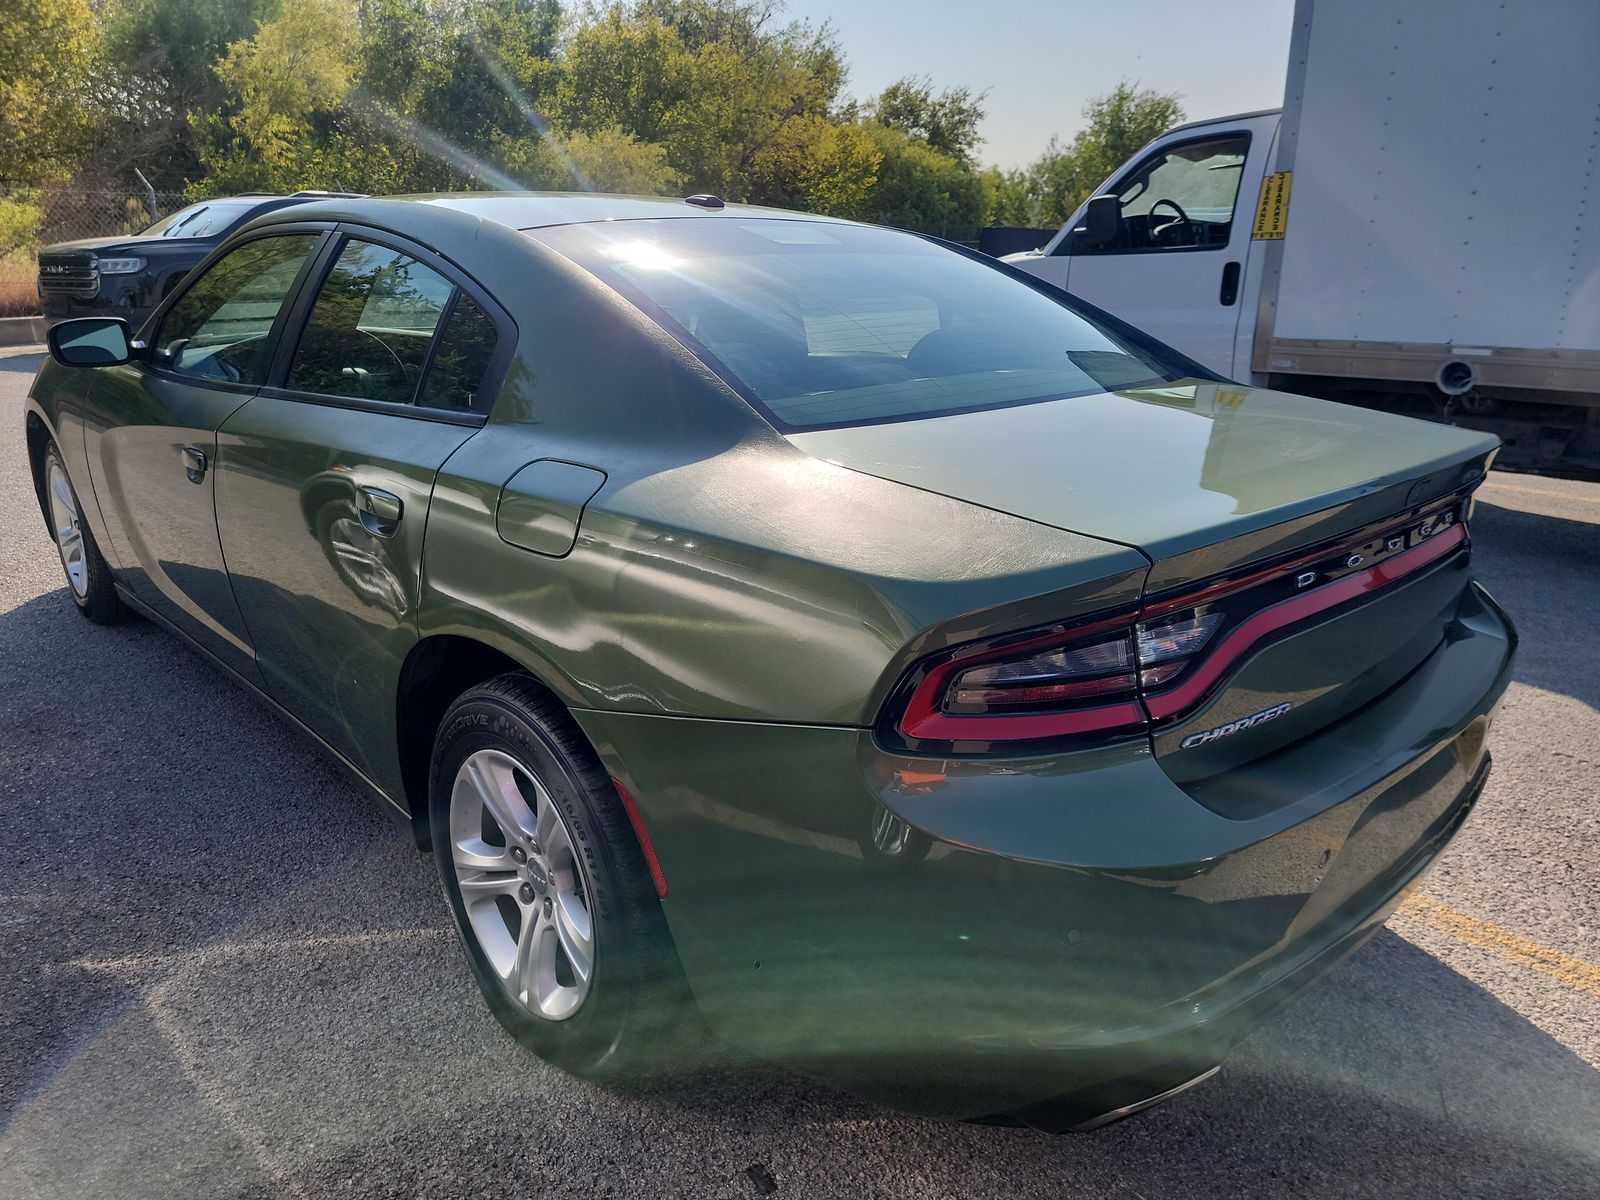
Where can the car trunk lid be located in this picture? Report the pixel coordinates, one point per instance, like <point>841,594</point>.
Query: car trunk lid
<point>1199,476</point>
<point>1329,537</point>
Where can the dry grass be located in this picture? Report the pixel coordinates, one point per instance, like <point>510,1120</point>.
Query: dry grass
<point>19,295</point>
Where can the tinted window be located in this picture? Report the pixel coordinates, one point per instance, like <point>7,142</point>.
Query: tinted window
<point>202,220</point>
<point>462,358</point>
<point>1181,198</point>
<point>827,324</point>
<point>218,328</point>
<point>371,327</point>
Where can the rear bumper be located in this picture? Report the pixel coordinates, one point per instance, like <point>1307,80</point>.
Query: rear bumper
<point>1054,937</point>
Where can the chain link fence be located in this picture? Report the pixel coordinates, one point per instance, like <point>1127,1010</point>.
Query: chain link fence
<point>34,217</point>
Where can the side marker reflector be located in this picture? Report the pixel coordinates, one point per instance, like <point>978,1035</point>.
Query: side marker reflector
<point>650,859</point>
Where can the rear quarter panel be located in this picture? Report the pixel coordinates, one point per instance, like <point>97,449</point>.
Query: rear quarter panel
<point>719,571</point>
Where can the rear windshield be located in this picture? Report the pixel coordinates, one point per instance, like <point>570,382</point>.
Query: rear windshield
<point>201,220</point>
<point>825,325</point>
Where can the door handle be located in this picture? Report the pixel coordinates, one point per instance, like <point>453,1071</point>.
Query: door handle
<point>194,464</point>
<point>1230,285</point>
<point>380,511</point>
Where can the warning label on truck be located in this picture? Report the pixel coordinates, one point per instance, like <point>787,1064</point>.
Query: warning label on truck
<point>1272,210</point>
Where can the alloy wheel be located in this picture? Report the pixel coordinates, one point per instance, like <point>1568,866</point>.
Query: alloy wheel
<point>524,888</point>
<point>64,523</point>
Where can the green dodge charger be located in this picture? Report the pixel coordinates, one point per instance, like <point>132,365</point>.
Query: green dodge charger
<point>921,677</point>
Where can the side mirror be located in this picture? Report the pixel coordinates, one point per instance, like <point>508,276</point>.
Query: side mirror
<point>90,342</point>
<point>1102,221</point>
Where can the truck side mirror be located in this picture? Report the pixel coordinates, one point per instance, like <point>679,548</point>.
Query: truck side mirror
<point>1102,221</point>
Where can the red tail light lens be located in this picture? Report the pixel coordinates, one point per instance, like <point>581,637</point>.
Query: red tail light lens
<point>1072,682</point>
<point>1112,676</point>
<point>1049,683</point>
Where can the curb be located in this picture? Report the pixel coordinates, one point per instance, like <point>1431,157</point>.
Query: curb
<point>22,331</point>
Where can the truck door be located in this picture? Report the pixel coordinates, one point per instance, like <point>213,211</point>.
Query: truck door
<point>1177,264</point>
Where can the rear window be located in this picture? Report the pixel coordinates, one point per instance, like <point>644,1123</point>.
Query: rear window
<point>824,325</point>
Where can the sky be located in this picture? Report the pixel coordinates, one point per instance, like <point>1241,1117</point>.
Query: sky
<point>1040,60</point>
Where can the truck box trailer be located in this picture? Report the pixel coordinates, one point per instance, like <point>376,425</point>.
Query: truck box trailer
<point>1418,227</point>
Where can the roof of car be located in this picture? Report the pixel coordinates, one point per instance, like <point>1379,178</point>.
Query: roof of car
<point>535,210</point>
<point>311,194</point>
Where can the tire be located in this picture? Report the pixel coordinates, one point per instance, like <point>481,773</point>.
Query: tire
<point>89,579</point>
<point>510,740</point>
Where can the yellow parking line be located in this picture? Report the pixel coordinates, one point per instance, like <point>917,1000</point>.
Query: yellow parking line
<point>1464,927</point>
<point>1496,485</point>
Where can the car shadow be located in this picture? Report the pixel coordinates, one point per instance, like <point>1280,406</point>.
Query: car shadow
<point>1394,1077</point>
<point>153,813</point>
<point>20,364</point>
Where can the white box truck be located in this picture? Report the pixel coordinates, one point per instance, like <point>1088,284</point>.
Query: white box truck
<point>1418,227</point>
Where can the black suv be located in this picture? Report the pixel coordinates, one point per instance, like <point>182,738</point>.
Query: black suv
<point>128,276</point>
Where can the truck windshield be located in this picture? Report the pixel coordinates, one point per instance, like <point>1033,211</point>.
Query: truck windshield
<point>200,220</point>
<point>821,325</point>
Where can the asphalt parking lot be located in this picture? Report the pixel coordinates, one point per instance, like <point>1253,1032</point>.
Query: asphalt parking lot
<point>224,972</point>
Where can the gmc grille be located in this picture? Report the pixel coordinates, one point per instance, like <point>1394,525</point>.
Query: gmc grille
<point>68,275</point>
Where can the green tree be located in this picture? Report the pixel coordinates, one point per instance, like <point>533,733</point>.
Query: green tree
<point>923,189</point>
<point>448,95</point>
<point>730,96</point>
<point>286,84</point>
<point>49,107</point>
<point>814,164</point>
<point>164,54</point>
<point>499,71</point>
<point>1116,126</point>
<point>1009,197</point>
<point>299,63</point>
<point>948,121</point>
<point>606,160</point>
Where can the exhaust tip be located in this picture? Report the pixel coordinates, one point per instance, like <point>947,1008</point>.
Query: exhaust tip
<point>1456,378</point>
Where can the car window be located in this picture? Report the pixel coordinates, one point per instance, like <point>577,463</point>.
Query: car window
<point>218,328</point>
<point>371,327</point>
<point>201,220</point>
<point>1180,198</point>
<point>824,325</point>
<point>466,344</point>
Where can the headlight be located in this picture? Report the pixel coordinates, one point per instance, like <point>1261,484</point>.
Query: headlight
<point>119,266</point>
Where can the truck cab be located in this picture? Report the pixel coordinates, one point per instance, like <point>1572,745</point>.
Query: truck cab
<point>1437,253</point>
<point>1180,262</point>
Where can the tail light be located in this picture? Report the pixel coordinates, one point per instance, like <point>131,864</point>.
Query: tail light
<point>1166,646</point>
<point>1071,680</point>
<point>1114,674</point>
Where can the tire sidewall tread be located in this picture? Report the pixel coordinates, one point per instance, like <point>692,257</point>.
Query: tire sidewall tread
<point>636,990</point>
<point>100,602</point>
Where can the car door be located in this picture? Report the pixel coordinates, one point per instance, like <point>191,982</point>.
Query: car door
<point>325,478</point>
<point>1176,267</point>
<point>151,429</point>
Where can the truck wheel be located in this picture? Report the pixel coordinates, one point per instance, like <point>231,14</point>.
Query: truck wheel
<point>549,888</point>
<point>88,575</point>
